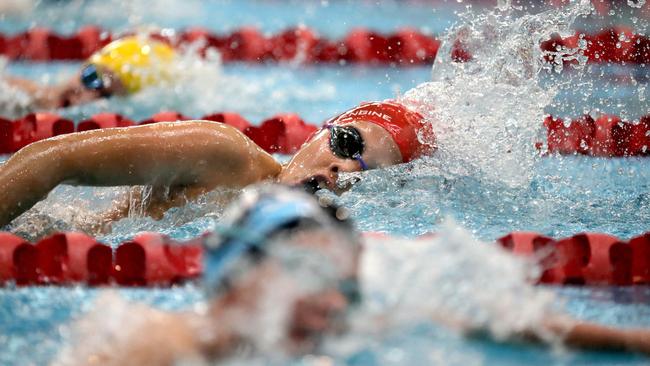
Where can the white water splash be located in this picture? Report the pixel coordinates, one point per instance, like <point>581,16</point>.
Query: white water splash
<point>638,4</point>
<point>455,280</point>
<point>13,101</point>
<point>487,112</point>
<point>200,86</point>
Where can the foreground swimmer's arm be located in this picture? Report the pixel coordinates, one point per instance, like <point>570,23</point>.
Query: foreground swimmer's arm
<point>574,334</point>
<point>583,335</point>
<point>562,329</point>
<point>196,156</point>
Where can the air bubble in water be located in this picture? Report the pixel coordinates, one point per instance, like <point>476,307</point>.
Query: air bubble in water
<point>637,5</point>
<point>486,112</point>
<point>641,91</point>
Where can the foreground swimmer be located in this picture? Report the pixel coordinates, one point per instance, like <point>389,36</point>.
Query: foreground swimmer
<point>185,160</point>
<point>280,250</point>
<point>122,67</point>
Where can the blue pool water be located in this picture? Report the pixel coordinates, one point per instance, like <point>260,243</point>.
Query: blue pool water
<point>562,195</point>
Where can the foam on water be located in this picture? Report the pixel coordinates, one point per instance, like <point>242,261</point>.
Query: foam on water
<point>487,112</point>
<point>454,279</point>
<point>201,87</point>
<point>13,102</point>
<point>451,281</point>
<point>80,209</point>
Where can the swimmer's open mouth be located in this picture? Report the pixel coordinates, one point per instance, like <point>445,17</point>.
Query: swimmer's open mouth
<point>318,182</point>
<point>315,183</point>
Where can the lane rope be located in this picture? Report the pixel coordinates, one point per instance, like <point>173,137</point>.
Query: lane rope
<point>605,135</point>
<point>152,259</point>
<point>406,46</point>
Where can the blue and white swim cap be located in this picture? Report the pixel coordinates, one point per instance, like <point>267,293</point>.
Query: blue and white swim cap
<point>259,214</point>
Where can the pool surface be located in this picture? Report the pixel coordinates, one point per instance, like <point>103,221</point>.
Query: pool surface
<point>556,196</point>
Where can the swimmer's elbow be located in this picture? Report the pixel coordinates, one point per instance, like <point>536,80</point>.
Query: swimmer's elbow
<point>51,158</point>
<point>263,167</point>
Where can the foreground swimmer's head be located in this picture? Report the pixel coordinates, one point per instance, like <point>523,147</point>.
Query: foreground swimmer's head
<point>370,136</point>
<point>127,65</point>
<point>282,242</point>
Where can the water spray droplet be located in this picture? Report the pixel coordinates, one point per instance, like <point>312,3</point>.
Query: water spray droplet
<point>639,4</point>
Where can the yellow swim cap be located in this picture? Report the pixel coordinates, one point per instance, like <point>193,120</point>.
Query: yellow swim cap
<point>136,61</point>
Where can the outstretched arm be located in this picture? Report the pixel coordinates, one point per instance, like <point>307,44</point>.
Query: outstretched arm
<point>585,335</point>
<point>68,93</point>
<point>197,156</point>
<point>43,96</point>
<point>562,329</point>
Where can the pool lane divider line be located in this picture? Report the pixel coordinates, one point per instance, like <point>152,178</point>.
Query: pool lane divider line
<point>404,47</point>
<point>152,259</point>
<point>75,258</point>
<point>586,258</point>
<point>605,135</point>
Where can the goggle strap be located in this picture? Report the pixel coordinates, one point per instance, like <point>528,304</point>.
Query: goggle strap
<point>358,158</point>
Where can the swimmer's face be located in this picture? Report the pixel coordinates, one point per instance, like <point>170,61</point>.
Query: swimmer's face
<point>316,164</point>
<point>74,93</point>
<point>313,277</point>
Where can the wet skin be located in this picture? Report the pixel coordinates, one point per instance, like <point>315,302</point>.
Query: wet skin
<point>190,158</point>
<point>165,338</point>
<point>316,162</point>
<point>186,159</point>
<point>229,323</point>
<point>67,94</point>
<point>194,157</point>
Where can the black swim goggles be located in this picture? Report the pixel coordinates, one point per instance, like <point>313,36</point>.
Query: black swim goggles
<point>346,142</point>
<point>91,78</point>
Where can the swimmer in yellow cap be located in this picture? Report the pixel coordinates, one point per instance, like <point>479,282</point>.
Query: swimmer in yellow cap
<point>127,65</point>
<point>124,66</point>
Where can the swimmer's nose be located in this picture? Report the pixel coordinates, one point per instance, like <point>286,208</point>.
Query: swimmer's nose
<point>334,170</point>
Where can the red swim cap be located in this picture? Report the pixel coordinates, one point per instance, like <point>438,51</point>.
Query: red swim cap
<point>403,124</point>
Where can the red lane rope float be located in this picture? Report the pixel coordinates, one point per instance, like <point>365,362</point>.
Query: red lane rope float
<point>585,259</point>
<point>606,135</point>
<point>282,133</point>
<point>154,260</point>
<point>404,47</point>
<point>72,258</point>
<point>615,45</point>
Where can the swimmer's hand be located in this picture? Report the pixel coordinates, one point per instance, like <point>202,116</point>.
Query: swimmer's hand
<point>585,335</point>
<point>564,330</point>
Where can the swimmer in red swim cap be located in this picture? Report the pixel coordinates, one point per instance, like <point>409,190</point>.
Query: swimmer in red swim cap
<point>185,160</point>
<point>372,135</point>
